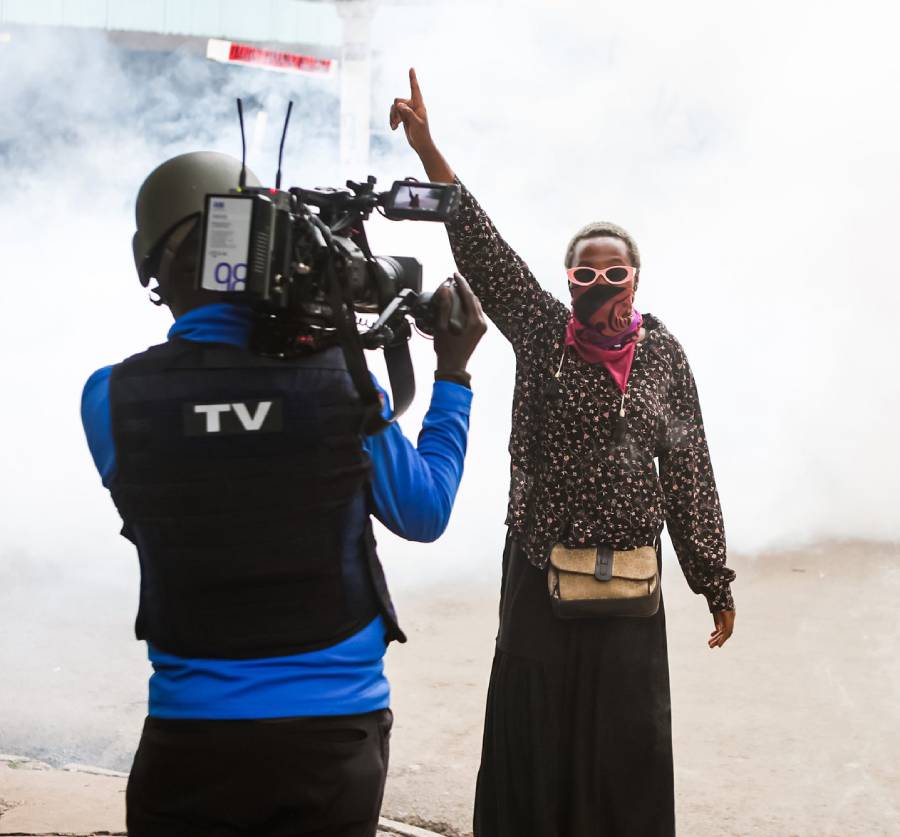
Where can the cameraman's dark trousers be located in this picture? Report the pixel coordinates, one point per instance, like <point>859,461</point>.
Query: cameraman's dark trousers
<point>285,777</point>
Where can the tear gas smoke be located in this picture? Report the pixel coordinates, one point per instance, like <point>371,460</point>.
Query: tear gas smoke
<point>753,151</point>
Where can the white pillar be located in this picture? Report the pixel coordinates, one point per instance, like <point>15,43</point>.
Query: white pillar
<point>356,86</point>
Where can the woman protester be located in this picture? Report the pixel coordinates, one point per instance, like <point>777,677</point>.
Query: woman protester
<point>577,738</point>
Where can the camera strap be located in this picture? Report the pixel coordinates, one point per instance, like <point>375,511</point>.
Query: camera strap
<point>351,345</point>
<point>401,376</point>
<point>396,355</point>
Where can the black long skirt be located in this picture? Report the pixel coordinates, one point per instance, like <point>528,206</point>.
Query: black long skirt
<point>578,731</point>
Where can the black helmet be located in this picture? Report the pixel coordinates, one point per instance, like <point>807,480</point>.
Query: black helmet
<point>172,193</point>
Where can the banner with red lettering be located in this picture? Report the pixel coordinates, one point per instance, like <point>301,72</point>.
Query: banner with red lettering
<point>229,52</point>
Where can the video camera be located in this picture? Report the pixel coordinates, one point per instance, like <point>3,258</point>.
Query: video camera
<point>301,258</point>
<point>281,250</point>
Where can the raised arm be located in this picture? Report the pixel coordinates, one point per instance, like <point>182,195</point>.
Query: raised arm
<point>509,292</point>
<point>693,512</point>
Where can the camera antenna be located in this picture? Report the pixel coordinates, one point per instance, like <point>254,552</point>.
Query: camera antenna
<point>242,181</point>
<point>287,119</point>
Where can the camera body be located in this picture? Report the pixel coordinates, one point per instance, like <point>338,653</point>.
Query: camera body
<point>295,255</point>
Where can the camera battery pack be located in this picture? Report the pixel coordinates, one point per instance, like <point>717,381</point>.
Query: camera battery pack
<point>236,249</point>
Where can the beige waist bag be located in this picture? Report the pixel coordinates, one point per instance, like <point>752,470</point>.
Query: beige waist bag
<point>598,581</point>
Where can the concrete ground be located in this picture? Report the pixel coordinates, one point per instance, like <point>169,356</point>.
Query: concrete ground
<point>792,729</point>
<point>37,800</point>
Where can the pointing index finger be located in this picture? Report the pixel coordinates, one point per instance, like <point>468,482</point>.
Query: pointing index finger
<point>415,90</point>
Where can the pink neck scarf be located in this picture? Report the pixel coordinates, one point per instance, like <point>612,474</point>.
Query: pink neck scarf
<point>615,353</point>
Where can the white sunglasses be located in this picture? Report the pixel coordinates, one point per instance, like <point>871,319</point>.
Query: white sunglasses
<point>618,275</point>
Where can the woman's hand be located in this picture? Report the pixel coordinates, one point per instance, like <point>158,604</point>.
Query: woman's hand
<point>724,622</point>
<point>411,114</point>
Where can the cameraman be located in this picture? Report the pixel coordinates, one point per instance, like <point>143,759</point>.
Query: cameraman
<point>246,485</point>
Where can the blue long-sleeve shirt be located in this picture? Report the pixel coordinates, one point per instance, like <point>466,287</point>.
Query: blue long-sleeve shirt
<point>413,489</point>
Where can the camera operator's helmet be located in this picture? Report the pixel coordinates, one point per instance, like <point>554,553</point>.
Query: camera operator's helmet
<point>174,192</point>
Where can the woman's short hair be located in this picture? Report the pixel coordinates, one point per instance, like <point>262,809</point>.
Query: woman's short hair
<point>601,229</point>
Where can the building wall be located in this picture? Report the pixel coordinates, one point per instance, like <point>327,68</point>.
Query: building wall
<point>287,21</point>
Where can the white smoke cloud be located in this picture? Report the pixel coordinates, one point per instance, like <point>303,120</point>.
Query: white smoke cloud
<point>754,151</point>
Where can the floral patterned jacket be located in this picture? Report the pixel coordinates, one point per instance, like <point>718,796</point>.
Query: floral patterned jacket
<point>573,480</point>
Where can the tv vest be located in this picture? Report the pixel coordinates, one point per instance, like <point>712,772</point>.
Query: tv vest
<point>243,482</point>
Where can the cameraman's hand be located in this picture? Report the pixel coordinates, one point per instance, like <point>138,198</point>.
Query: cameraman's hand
<point>454,350</point>
<point>412,115</point>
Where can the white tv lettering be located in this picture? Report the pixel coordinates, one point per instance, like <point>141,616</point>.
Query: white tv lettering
<point>252,422</point>
<point>248,421</point>
<point>213,415</point>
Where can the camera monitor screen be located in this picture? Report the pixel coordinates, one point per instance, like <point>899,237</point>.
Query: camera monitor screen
<point>422,201</point>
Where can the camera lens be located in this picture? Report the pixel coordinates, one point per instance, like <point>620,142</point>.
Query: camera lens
<point>401,272</point>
